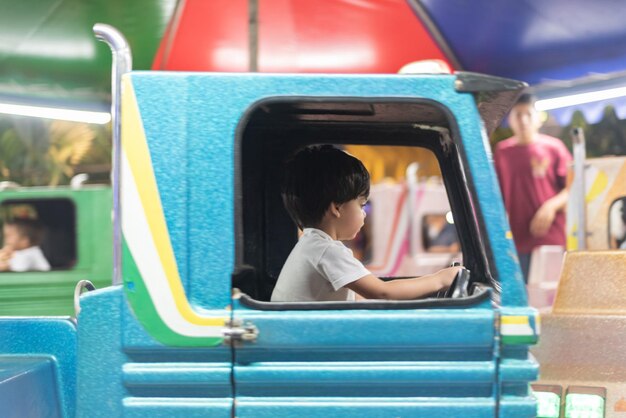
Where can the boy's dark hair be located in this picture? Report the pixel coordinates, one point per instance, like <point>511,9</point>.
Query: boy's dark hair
<point>526,98</point>
<point>30,228</point>
<point>316,176</point>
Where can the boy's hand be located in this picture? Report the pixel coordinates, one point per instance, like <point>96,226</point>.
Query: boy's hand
<point>371,287</point>
<point>5,254</point>
<point>447,276</point>
<point>542,220</point>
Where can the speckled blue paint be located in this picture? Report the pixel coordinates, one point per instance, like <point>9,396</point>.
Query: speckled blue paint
<point>28,387</point>
<point>191,119</point>
<point>53,338</point>
<point>100,355</point>
<point>481,169</point>
<point>338,407</point>
<point>177,407</point>
<point>419,358</point>
<point>122,371</point>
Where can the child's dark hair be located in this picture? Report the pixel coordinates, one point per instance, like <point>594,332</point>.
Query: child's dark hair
<point>318,175</point>
<point>30,228</point>
<point>526,98</point>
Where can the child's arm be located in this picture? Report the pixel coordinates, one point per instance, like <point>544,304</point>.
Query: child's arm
<point>371,287</point>
<point>5,256</point>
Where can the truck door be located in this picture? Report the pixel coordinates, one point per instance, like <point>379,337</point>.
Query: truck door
<point>424,358</point>
<point>430,358</point>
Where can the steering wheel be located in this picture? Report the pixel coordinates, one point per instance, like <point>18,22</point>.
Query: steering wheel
<point>459,286</point>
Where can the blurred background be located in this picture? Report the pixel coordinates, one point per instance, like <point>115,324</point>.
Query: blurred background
<point>570,51</point>
<point>55,101</point>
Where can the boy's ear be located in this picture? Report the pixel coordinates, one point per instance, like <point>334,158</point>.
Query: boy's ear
<point>333,209</point>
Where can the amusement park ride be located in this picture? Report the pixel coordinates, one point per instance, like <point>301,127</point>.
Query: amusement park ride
<point>186,329</point>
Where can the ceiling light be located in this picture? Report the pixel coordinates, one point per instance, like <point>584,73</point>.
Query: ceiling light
<point>56,113</point>
<point>581,98</point>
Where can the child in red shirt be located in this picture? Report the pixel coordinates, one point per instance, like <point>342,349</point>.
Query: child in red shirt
<point>532,170</point>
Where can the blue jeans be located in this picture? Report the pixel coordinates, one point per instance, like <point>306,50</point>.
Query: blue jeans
<point>524,261</point>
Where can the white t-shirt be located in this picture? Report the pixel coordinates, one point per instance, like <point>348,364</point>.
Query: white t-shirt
<point>317,269</point>
<point>29,259</point>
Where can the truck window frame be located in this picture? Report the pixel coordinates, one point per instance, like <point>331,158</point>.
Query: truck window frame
<point>67,226</point>
<point>273,127</point>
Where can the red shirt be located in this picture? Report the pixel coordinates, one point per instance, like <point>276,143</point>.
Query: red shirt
<point>529,175</point>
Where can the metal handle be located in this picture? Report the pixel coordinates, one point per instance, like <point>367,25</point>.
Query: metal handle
<point>579,188</point>
<point>236,332</point>
<point>122,63</point>
<point>78,290</point>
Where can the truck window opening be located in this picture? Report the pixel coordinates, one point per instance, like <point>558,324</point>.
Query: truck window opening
<point>57,220</point>
<point>273,130</point>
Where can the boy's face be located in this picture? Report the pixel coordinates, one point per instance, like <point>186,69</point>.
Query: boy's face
<point>13,238</point>
<point>524,121</point>
<point>352,218</point>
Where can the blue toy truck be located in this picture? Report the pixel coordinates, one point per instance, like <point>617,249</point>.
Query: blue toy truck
<point>190,331</point>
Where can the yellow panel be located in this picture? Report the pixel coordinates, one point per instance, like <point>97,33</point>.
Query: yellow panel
<point>608,185</point>
<point>390,162</point>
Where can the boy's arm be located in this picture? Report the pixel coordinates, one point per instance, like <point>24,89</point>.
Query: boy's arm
<point>371,287</point>
<point>5,256</point>
<point>542,220</point>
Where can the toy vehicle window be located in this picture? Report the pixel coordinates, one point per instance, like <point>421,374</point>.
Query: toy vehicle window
<point>46,224</point>
<point>617,224</point>
<point>439,233</point>
<point>407,198</point>
<point>402,146</point>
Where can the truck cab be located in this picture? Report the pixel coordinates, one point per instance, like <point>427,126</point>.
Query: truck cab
<point>191,330</point>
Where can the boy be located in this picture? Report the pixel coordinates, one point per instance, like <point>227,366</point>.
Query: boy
<point>21,250</point>
<point>324,191</point>
<point>532,170</point>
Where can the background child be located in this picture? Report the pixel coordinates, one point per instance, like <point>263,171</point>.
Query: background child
<point>532,170</point>
<point>21,250</point>
<point>324,191</point>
